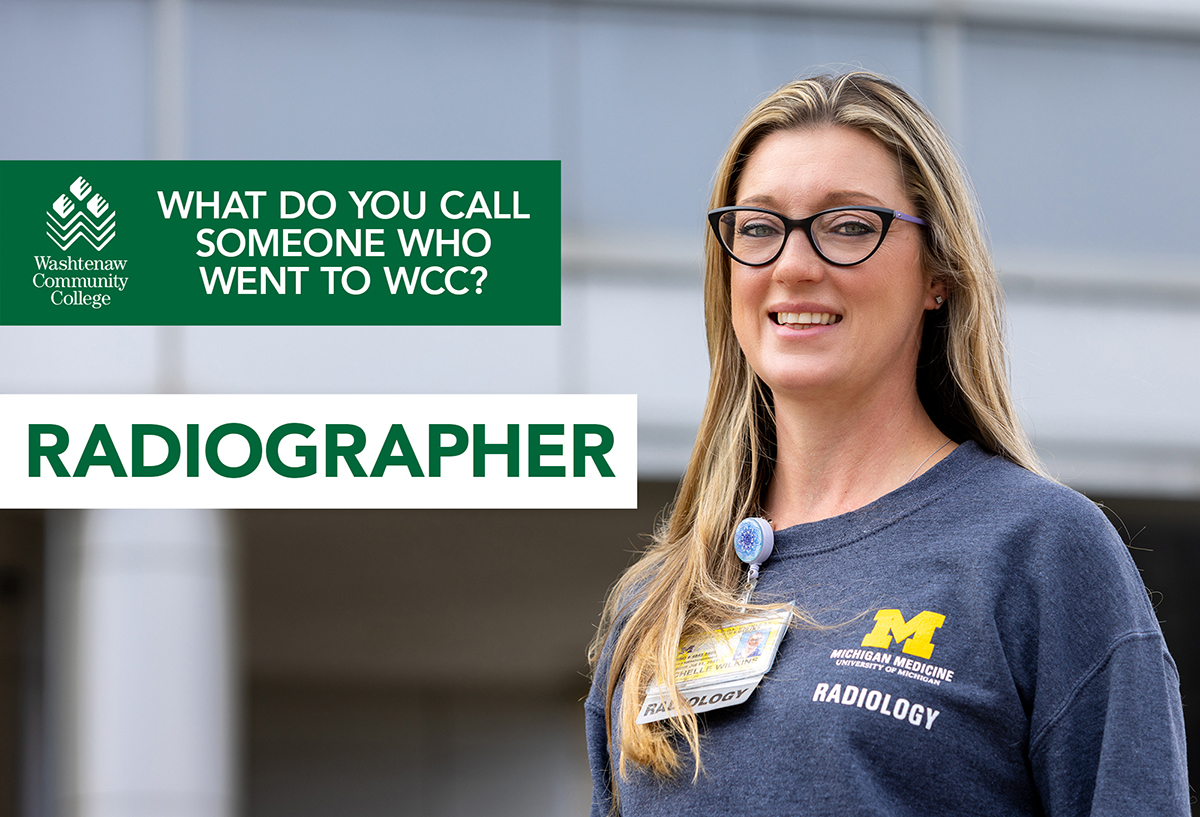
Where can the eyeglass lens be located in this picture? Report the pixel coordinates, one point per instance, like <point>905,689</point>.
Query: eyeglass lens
<point>842,236</point>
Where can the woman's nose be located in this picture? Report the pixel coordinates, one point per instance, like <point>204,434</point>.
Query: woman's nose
<point>798,261</point>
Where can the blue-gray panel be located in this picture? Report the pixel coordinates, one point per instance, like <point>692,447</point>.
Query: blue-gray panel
<point>371,359</point>
<point>371,81</point>
<point>65,359</point>
<point>75,79</point>
<point>792,47</point>
<point>1084,143</point>
<point>663,91</point>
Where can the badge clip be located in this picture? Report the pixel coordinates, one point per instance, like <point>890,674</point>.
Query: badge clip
<point>753,541</point>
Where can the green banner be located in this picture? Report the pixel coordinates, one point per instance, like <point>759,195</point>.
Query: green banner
<point>280,243</point>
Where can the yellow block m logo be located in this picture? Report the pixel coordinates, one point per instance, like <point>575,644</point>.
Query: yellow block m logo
<point>918,630</point>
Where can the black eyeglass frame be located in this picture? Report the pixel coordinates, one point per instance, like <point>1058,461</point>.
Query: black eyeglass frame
<point>888,215</point>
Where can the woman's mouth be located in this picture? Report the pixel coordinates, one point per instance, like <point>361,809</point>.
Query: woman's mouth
<point>803,320</point>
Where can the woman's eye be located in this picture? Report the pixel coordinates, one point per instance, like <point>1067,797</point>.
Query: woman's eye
<point>853,228</point>
<point>758,229</point>
<point>848,225</point>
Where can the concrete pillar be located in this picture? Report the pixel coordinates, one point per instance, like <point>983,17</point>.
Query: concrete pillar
<point>141,664</point>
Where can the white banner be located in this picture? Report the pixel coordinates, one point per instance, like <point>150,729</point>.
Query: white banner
<point>318,451</point>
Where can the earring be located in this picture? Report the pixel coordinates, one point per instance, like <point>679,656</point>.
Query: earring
<point>937,299</point>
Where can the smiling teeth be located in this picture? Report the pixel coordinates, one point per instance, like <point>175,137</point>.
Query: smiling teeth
<point>806,318</point>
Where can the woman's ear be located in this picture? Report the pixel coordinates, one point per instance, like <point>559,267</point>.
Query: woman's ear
<point>937,295</point>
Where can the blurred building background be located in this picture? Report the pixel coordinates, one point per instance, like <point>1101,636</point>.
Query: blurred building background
<point>271,663</point>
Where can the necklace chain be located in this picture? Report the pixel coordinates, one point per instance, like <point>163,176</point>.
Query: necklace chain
<point>763,512</point>
<point>927,459</point>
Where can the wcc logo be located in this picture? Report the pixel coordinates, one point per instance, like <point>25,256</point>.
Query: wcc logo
<point>81,213</point>
<point>916,633</point>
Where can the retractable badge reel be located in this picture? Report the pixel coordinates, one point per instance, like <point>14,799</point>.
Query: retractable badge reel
<point>722,667</point>
<point>753,541</point>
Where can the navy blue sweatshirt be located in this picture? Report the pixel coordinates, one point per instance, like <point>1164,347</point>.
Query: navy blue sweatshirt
<point>987,648</point>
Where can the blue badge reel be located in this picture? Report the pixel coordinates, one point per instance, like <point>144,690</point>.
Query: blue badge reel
<point>721,668</point>
<point>753,541</point>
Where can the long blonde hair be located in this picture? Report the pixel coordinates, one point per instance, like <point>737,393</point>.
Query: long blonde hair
<point>688,579</point>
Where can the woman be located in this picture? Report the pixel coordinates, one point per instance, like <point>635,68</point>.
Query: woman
<point>969,637</point>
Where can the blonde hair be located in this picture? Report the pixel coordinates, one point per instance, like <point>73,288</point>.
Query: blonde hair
<point>688,579</point>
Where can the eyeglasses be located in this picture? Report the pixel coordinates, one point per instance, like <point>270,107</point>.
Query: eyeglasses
<point>843,236</point>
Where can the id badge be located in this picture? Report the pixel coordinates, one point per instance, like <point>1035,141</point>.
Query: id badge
<point>721,670</point>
